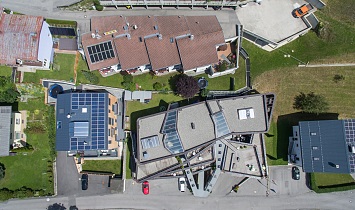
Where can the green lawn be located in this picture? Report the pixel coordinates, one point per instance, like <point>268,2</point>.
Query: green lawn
<point>63,69</point>
<point>109,166</point>
<point>5,71</point>
<point>325,179</point>
<point>30,169</point>
<point>136,109</point>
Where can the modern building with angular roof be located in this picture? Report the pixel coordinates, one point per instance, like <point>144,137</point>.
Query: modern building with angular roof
<point>326,146</point>
<point>153,43</point>
<point>26,41</point>
<point>210,137</point>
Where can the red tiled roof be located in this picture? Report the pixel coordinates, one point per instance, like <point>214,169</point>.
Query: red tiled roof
<point>108,23</point>
<point>87,40</point>
<point>201,51</point>
<point>131,52</point>
<point>19,35</point>
<point>144,47</point>
<point>162,53</point>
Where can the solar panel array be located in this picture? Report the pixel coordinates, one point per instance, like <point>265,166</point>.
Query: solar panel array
<point>171,139</point>
<point>97,103</point>
<point>221,124</point>
<point>350,140</point>
<point>150,142</point>
<point>101,52</point>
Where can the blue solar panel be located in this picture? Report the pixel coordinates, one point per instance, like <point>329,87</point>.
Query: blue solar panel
<point>96,104</point>
<point>171,139</point>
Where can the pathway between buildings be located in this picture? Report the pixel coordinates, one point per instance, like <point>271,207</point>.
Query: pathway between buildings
<point>76,65</point>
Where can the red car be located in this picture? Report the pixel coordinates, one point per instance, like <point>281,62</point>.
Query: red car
<point>145,188</point>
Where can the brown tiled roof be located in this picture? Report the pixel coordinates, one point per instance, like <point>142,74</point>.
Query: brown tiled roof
<point>19,35</point>
<point>145,25</point>
<point>144,47</point>
<point>200,51</point>
<point>200,25</point>
<point>162,53</point>
<point>131,52</point>
<point>108,23</point>
<point>86,41</point>
<point>172,25</point>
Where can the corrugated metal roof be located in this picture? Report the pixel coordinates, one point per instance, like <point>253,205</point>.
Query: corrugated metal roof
<point>323,146</point>
<point>5,124</point>
<point>20,37</point>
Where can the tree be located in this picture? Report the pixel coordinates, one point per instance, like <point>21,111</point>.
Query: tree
<point>310,103</point>
<point>8,91</point>
<point>128,83</point>
<point>186,86</point>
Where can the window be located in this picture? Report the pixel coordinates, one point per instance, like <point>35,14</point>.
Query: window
<point>17,121</point>
<point>59,124</point>
<point>109,142</point>
<point>109,101</point>
<point>109,132</point>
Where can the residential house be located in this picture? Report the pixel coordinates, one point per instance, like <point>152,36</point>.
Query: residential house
<point>326,146</point>
<point>26,42</point>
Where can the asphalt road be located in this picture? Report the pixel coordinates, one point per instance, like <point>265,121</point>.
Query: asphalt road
<point>340,200</point>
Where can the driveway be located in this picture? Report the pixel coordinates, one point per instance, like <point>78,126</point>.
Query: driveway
<point>69,183</point>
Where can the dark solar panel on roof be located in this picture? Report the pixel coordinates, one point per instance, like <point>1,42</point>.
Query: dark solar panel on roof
<point>101,52</point>
<point>350,141</point>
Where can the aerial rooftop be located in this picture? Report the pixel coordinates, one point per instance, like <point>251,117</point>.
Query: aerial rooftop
<point>159,41</point>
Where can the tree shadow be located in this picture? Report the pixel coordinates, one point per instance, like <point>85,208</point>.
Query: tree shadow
<point>284,128</point>
<point>56,206</point>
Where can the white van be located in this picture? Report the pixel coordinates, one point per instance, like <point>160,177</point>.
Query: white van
<point>182,184</point>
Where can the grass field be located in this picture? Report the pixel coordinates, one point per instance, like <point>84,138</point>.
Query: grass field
<point>65,72</point>
<point>286,84</point>
<point>323,179</point>
<point>20,170</point>
<point>109,166</point>
<point>5,71</point>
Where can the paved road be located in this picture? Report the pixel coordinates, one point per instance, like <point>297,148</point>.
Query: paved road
<point>340,200</point>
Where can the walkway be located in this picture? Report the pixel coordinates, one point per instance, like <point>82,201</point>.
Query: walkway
<point>327,65</point>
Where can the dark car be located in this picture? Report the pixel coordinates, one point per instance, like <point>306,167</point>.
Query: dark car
<point>145,188</point>
<point>295,173</point>
<point>84,181</point>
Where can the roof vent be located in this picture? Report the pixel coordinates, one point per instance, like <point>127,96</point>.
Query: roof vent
<point>313,133</point>
<point>160,37</point>
<point>128,36</point>
<point>179,16</point>
<point>193,125</point>
<point>156,27</point>
<point>171,40</point>
<point>134,27</point>
<point>93,35</point>
<point>337,166</point>
<point>140,39</point>
<point>125,27</point>
<point>192,37</point>
<point>148,16</point>
<point>197,22</point>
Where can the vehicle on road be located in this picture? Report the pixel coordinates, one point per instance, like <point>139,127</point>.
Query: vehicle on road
<point>302,10</point>
<point>145,188</point>
<point>182,184</point>
<point>295,173</point>
<point>84,181</point>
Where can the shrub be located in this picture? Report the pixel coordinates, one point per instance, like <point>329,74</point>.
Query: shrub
<point>96,2</point>
<point>2,171</point>
<point>99,7</point>
<point>204,92</point>
<point>157,86</point>
<point>91,77</point>
<point>337,78</point>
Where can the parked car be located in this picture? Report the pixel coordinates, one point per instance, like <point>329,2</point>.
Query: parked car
<point>302,10</point>
<point>182,184</point>
<point>84,181</point>
<point>145,188</point>
<point>295,173</point>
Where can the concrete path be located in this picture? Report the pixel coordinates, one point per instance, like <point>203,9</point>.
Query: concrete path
<point>327,65</point>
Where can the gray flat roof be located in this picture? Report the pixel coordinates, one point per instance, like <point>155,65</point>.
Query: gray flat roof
<point>323,146</point>
<point>5,124</point>
<point>195,125</point>
<point>272,19</point>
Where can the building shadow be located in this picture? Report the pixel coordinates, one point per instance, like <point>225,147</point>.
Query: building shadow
<point>284,128</point>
